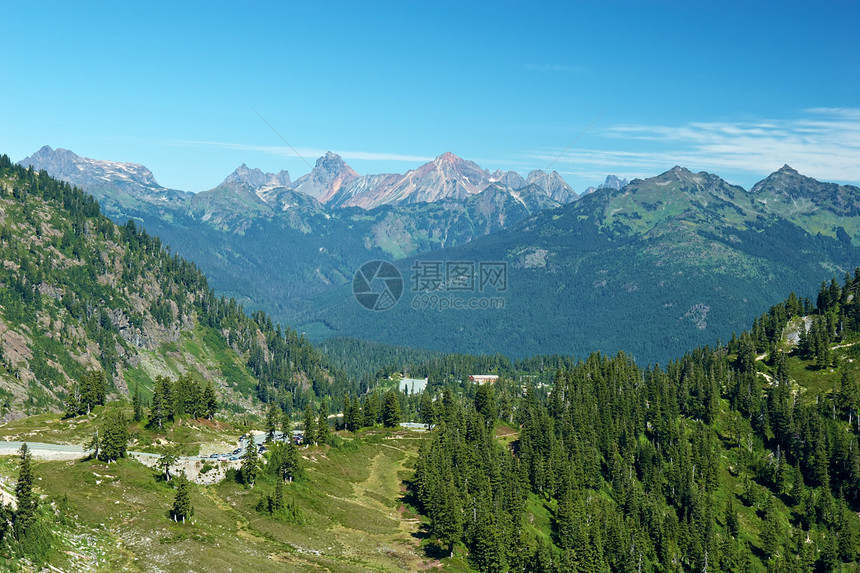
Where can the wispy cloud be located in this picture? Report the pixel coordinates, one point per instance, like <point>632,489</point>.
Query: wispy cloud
<point>554,68</point>
<point>284,151</point>
<point>823,143</point>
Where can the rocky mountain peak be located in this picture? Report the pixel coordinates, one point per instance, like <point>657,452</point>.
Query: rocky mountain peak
<point>64,164</point>
<point>60,162</point>
<point>510,179</point>
<point>255,178</point>
<point>680,171</point>
<point>448,158</point>
<point>552,184</point>
<point>331,162</point>
<point>327,177</point>
<point>107,181</point>
<point>786,180</point>
<point>613,182</point>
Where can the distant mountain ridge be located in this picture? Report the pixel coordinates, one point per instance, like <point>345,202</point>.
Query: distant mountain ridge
<point>256,179</point>
<point>131,179</point>
<point>257,224</point>
<point>652,268</point>
<point>710,254</point>
<point>331,182</point>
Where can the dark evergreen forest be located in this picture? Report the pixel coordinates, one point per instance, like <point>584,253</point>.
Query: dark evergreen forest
<point>717,462</point>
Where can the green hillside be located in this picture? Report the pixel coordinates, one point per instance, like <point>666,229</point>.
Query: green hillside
<point>80,293</point>
<point>349,516</point>
<point>738,458</point>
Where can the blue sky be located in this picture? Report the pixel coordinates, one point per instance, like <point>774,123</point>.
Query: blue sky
<point>725,87</point>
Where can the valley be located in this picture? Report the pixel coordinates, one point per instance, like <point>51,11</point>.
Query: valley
<point>695,256</point>
<point>486,287</point>
<point>741,455</point>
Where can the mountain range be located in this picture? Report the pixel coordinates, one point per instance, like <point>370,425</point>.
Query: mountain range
<point>273,242</point>
<point>661,264</point>
<point>331,182</point>
<point>334,183</point>
<point>651,266</point>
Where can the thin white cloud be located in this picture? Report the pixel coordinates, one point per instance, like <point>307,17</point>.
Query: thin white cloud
<point>824,143</point>
<point>307,153</point>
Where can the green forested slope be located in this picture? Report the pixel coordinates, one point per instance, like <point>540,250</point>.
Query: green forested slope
<point>80,293</point>
<point>739,458</point>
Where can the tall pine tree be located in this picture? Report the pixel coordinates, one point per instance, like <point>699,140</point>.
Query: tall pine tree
<point>27,501</point>
<point>182,508</point>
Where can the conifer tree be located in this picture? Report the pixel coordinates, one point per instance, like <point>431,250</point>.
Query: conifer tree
<point>284,461</point>
<point>93,389</point>
<point>848,396</point>
<point>136,404</point>
<point>487,547</point>
<point>210,401</point>
<point>370,411</point>
<point>182,508</point>
<point>323,431</point>
<point>72,406</point>
<point>185,397</point>
<point>287,461</point>
<point>250,462</point>
<point>277,505</point>
<point>485,402</point>
<point>114,440</point>
<point>27,501</point>
<point>770,535</point>
<point>391,409</point>
<point>351,414</point>
<point>565,519</point>
<point>160,409</point>
<point>732,523</point>
<point>448,522</point>
<point>310,435</point>
<point>426,409</point>
<point>804,340</point>
<point>272,418</point>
